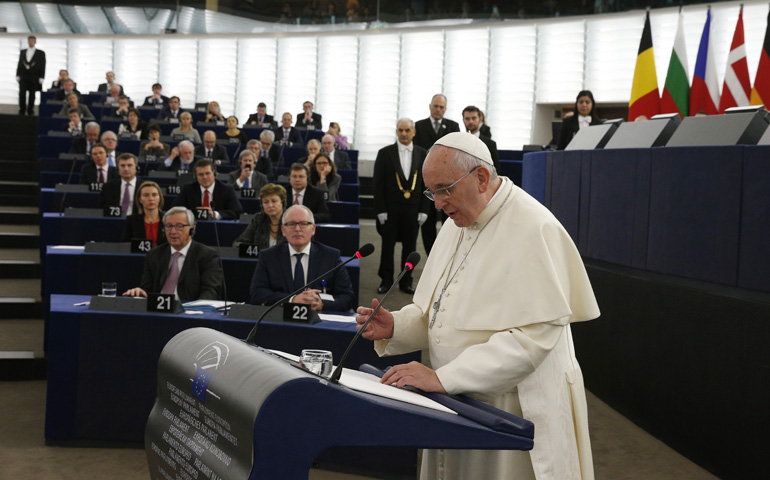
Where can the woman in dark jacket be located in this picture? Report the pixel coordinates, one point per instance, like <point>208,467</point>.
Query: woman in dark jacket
<point>265,228</point>
<point>147,222</point>
<point>584,115</point>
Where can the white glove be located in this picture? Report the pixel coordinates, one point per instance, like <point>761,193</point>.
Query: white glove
<point>421,217</point>
<point>18,79</point>
<point>382,218</point>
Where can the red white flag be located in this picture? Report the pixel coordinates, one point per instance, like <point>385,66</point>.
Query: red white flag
<point>736,90</point>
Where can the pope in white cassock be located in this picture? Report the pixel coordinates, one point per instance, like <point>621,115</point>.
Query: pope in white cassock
<point>493,307</point>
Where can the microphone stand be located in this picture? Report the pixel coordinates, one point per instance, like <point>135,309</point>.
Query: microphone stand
<point>219,252</point>
<point>69,179</point>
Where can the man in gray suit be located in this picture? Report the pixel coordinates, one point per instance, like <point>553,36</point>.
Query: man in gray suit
<point>247,176</point>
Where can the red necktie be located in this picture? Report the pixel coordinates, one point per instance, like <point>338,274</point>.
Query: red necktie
<point>296,199</point>
<point>205,198</point>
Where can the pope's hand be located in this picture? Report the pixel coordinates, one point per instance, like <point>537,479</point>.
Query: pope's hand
<point>415,374</point>
<point>380,327</point>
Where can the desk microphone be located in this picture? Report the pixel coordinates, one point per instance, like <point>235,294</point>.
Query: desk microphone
<point>69,179</point>
<point>219,254</point>
<point>362,252</point>
<point>411,261</point>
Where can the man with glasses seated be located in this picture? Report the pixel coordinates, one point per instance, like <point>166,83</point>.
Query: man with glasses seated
<point>185,268</point>
<point>286,267</point>
<point>263,151</point>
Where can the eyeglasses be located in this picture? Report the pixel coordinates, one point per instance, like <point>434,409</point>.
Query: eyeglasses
<point>178,227</point>
<point>302,225</point>
<point>445,193</point>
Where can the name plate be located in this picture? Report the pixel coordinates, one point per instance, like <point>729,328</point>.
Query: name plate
<point>163,303</point>
<point>299,313</point>
<point>202,214</point>
<point>140,245</point>
<point>248,250</point>
<point>112,211</point>
<point>95,187</point>
<point>173,189</point>
<point>248,192</point>
<point>150,158</point>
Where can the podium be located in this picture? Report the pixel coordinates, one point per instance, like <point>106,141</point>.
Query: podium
<point>231,410</point>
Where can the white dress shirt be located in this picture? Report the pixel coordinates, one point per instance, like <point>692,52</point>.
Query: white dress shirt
<point>305,260</point>
<point>405,155</point>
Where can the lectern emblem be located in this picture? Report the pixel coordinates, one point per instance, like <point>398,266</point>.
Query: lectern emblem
<point>210,358</point>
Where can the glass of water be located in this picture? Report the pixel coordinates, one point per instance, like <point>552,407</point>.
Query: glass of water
<point>109,289</point>
<point>317,361</point>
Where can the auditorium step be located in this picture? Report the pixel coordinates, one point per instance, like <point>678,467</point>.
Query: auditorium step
<point>18,136</point>
<point>20,307</point>
<point>19,170</point>
<point>21,350</point>
<point>13,215</point>
<point>20,263</point>
<point>19,236</point>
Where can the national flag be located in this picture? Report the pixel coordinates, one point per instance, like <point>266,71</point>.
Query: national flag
<point>644,91</point>
<point>704,93</point>
<point>676,92</point>
<point>737,86</point>
<point>760,94</point>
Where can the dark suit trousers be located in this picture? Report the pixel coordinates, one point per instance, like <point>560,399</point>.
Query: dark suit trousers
<point>401,226</point>
<point>27,89</point>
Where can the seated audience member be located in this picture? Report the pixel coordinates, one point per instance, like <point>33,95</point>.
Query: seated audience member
<point>247,176</point>
<point>58,83</point>
<point>233,134</point>
<point>98,170</point>
<point>133,127</point>
<point>301,193</point>
<point>207,191</point>
<point>301,259</point>
<point>214,113</point>
<point>286,135</point>
<point>181,157</point>
<point>313,148</point>
<point>185,129</point>
<point>113,95</point>
<point>153,150</point>
<point>156,100</point>
<point>185,268</point>
<point>323,176</point>
<point>171,112</point>
<point>263,165</point>
<point>120,191</point>
<point>121,111</point>
<point>341,140</point>
<point>340,158</point>
<point>309,119</point>
<point>110,142</point>
<point>82,145</point>
<point>75,127</point>
<point>270,153</point>
<point>107,86</point>
<point>145,222</point>
<point>73,102</point>
<point>264,230</point>
<point>584,116</point>
<point>261,118</point>
<point>68,86</point>
<point>209,149</point>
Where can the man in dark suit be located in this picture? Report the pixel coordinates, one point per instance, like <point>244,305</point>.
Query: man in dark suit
<point>156,99</point>
<point>399,203</point>
<point>309,119</point>
<point>427,131</point>
<point>339,157</point>
<point>199,196</point>
<point>30,73</point>
<point>68,86</point>
<point>170,113</point>
<point>301,193</point>
<point>97,171</point>
<point>199,277</point>
<point>472,122</point>
<point>287,135</point>
<point>120,191</point>
<point>261,118</point>
<point>182,157</point>
<point>264,158</point>
<point>107,86</point>
<point>284,268</point>
<point>247,176</point>
<point>209,149</point>
<point>83,145</point>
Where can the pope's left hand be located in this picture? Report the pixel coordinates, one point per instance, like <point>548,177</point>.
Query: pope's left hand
<point>415,374</point>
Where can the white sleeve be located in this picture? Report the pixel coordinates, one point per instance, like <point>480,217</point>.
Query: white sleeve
<point>500,364</point>
<point>410,333</point>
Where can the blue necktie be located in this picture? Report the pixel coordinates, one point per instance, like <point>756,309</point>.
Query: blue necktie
<point>246,183</point>
<point>299,272</point>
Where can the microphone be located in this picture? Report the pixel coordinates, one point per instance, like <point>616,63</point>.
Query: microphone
<point>362,252</point>
<point>219,255</point>
<point>69,179</point>
<point>411,261</point>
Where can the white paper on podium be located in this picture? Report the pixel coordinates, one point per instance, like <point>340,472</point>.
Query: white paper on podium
<point>368,383</point>
<point>68,247</point>
<point>328,317</point>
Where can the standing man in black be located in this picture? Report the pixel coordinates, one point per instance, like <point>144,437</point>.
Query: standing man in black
<point>30,73</point>
<point>472,122</point>
<point>398,201</point>
<point>428,131</point>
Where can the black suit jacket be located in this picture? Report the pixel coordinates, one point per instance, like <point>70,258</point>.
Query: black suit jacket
<point>60,95</point>
<point>31,72</point>
<point>258,180</point>
<point>149,103</point>
<point>88,174</point>
<point>165,113</point>
<point>265,165</point>
<point>112,194</point>
<point>316,122</point>
<point>135,229</point>
<point>225,201</point>
<point>295,138</point>
<point>79,145</point>
<point>200,278</point>
<point>425,136</point>
<point>218,153</point>
<point>267,121</point>
<point>273,277</point>
<point>312,199</point>
<point>492,146</point>
<point>570,127</point>
<point>104,87</point>
<point>387,195</point>
<point>341,159</point>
